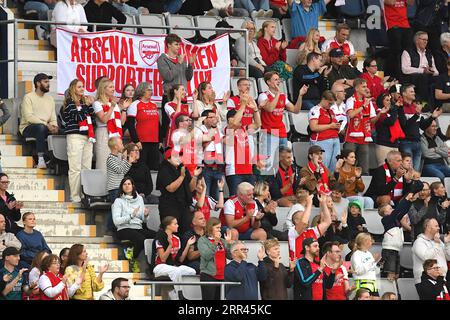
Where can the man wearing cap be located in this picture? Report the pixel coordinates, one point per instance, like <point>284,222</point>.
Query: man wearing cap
<point>38,116</point>
<point>341,73</point>
<point>310,282</point>
<point>13,288</point>
<point>317,176</point>
<point>325,129</point>
<point>435,153</point>
<point>7,239</point>
<point>341,41</point>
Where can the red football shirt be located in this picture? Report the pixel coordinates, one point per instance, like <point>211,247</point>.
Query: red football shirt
<point>337,292</point>
<point>396,15</point>
<point>147,120</point>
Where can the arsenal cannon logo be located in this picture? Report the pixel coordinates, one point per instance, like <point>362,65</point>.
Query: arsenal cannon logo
<point>149,51</point>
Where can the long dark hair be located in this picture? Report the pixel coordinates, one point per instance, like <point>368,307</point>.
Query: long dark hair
<point>133,192</point>
<point>74,252</point>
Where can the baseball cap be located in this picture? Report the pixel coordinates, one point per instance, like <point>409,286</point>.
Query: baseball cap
<point>336,53</point>
<point>10,251</point>
<point>307,242</point>
<point>315,149</point>
<point>41,76</point>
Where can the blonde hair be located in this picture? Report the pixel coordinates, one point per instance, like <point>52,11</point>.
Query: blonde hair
<point>101,96</point>
<point>308,46</point>
<point>382,208</point>
<point>264,26</point>
<point>301,195</point>
<point>270,243</point>
<point>361,238</point>
<point>71,96</point>
<point>315,221</point>
<point>260,186</point>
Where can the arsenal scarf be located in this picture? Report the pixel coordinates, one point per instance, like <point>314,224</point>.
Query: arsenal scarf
<point>323,181</point>
<point>213,151</point>
<point>397,193</point>
<point>114,124</point>
<point>359,126</point>
<point>86,125</point>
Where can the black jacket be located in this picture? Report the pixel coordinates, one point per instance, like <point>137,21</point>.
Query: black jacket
<point>378,185</point>
<point>142,177</point>
<point>412,125</point>
<point>275,182</point>
<point>435,211</point>
<point>429,288</point>
<point>11,215</point>
<point>304,278</point>
<point>383,128</point>
<point>103,14</point>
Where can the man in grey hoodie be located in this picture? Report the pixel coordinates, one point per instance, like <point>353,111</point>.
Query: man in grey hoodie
<point>174,69</point>
<point>120,290</point>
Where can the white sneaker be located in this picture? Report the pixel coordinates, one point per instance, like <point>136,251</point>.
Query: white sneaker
<point>40,33</point>
<point>260,13</point>
<point>41,164</point>
<point>173,295</point>
<point>253,14</point>
<point>268,13</point>
<point>76,199</point>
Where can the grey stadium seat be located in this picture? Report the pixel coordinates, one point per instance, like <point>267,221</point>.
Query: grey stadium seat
<point>407,289</point>
<point>152,20</point>
<point>179,20</point>
<point>93,187</point>
<point>300,150</point>
<point>236,22</point>
<point>206,22</point>
<point>373,221</point>
<point>301,122</point>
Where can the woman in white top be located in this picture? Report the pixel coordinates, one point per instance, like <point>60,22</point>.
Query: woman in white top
<point>365,264</point>
<point>70,12</point>
<point>256,65</point>
<point>206,100</point>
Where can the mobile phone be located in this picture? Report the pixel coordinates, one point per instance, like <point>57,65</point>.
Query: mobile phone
<point>340,121</point>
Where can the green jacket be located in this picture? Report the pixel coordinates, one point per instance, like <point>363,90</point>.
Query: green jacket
<point>207,255</point>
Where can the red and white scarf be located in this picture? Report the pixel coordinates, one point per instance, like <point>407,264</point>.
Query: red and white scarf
<point>322,185</point>
<point>359,126</point>
<point>213,153</point>
<point>397,193</point>
<point>86,125</point>
<point>114,124</point>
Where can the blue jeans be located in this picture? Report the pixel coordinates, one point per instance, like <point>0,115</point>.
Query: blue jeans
<point>436,170</point>
<point>413,148</point>
<point>309,104</point>
<point>173,6</point>
<point>40,133</point>
<point>126,9</point>
<point>332,149</point>
<point>252,5</point>
<point>211,177</point>
<point>41,8</point>
<point>234,180</point>
<point>269,147</point>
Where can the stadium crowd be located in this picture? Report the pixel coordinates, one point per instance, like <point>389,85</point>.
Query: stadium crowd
<point>238,143</point>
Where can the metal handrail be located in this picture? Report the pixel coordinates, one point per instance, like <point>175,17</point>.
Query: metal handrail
<point>188,283</point>
<point>16,60</point>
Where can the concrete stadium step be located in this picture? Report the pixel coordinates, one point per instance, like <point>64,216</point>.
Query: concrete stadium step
<point>327,25</point>
<point>27,86</point>
<point>36,67</point>
<point>37,55</point>
<point>34,44</point>
<point>28,173</point>
<point>17,162</point>
<point>101,241</point>
<point>53,205</point>
<point>110,254</point>
<point>31,184</point>
<point>39,195</point>
<point>114,265</point>
<point>58,246</point>
<point>67,231</point>
<point>11,150</point>
<point>71,219</point>
<point>64,212</point>
<point>26,34</point>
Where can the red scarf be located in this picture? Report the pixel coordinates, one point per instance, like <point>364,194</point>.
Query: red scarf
<point>359,126</point>
<point>55,280</point>
<point>322,186</point>
<point>114,123</point>
<point>285,178</point>
<point>86,125</point>
<point>397,193</point>
<point>443,295</point>
<point>396,131</point>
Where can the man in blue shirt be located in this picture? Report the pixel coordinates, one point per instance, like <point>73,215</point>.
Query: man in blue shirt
<point>305,15</point>
<point>13,288</point>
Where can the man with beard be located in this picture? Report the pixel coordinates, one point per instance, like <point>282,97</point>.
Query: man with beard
<point>310,280</point>
<point>38,116</point>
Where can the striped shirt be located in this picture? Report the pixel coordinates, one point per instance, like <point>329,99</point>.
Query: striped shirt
<point>116,168</point>
<point>72,117</point>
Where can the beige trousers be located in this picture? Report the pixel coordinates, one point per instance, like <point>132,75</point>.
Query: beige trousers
<point>101,149</point>
<point>79,155</point>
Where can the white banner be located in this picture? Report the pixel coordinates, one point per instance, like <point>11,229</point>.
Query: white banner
<point>131,58</point>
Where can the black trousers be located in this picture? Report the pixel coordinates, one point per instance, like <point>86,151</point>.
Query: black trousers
<point>150,155</point>
<point>399,40</point>
<point>137,237</point>
<point>209,292</point>
<point>182,214</point>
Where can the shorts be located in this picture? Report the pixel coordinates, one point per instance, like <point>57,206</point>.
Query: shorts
<point>391,261</point>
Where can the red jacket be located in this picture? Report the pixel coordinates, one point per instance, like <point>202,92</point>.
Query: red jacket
<point>268,51</point>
